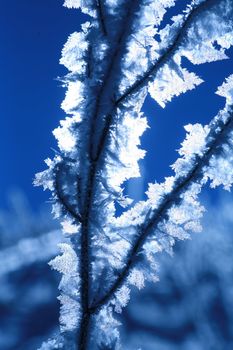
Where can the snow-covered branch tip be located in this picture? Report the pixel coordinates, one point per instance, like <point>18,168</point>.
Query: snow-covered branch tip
<point>124,52</point>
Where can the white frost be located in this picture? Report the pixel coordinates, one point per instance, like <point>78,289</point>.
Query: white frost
<point>226,89</point>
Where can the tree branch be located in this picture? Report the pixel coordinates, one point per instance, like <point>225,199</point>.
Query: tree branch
<point>94,160</point>
<point>85,268</point>
<point>150,74</point>
<point>94,155</point>
<point>216,135</point>
<point>168,53</point>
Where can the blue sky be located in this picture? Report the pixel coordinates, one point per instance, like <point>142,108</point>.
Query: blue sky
<point>32,33</point>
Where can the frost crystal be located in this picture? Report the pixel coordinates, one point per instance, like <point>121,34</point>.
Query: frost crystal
<point>70,312</point>
<point>122,298</point>
<point>195,140</point>
<point>67,262</point>
<point>170,83</point>
<point>137,279</point>
<point>226,89</point>
<point>73,53</point>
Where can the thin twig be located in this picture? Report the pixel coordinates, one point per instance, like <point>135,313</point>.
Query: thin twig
<point>61,198</point>
<point>168,53</point>
<point>195,174</point>
<point>100,11</point>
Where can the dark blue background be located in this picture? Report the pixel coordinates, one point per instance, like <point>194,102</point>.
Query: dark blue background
<point>32,33</point>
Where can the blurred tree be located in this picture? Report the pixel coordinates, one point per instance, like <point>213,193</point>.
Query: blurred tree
<point>28,306</point>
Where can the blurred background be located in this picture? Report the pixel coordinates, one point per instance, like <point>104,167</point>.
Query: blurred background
<point>191,307</point>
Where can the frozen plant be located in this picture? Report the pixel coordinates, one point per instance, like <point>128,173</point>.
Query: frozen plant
<point>125,51</point>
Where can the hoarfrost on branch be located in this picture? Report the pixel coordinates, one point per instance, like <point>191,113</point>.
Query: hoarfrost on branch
<point>124,52</point>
